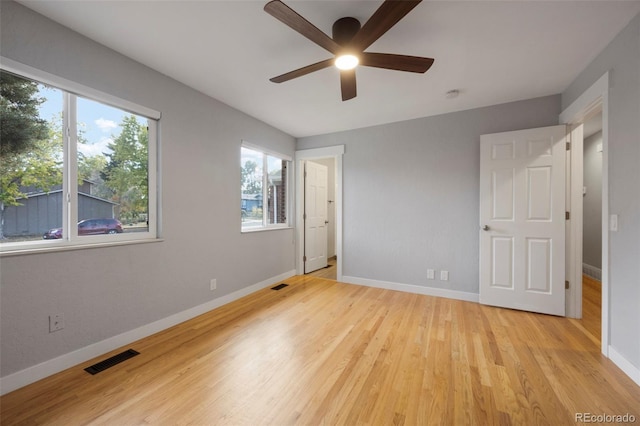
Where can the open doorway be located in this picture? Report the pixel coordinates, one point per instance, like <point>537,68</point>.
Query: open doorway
<point>592,102</point>
<point>332,158</point>
<point>592,224</point>
<point>328,269</point>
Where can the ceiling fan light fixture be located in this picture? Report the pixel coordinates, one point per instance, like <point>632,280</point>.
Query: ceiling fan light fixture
<point>347,62</point>
<point>349,43</point>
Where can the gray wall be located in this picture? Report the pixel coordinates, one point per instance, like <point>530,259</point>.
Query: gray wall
<point>103,292</point>
<point>622,59</point>
<point>592,202</point>
<point>411,192</point>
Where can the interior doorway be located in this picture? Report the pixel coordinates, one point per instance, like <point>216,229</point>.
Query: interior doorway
<point>592,220</point>
<point>328,270</point>
<point>594,100</point>
<point>331,156</point>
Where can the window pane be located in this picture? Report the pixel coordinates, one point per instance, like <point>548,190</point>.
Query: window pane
<point>113,181</point>
<point>31,160</point>
<point>277,191</point>
<point>251,163</point>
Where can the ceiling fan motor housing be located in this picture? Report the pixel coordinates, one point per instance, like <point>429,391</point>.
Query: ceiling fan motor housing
<point>344,29</point>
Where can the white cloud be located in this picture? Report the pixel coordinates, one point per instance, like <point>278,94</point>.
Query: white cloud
<point>106,125</point>
<point>91,149</point>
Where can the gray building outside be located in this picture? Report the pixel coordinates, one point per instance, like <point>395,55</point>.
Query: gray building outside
<point>41,211</point>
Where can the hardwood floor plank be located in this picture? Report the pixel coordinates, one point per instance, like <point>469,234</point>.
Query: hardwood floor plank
<point>324,352</point>
<point>592,305</point>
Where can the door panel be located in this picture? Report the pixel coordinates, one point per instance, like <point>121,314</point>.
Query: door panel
<point>502,262</point>
<point>539,193</point>
<point>539,265</point>
<point>522,214</point>
<point>503,194</point>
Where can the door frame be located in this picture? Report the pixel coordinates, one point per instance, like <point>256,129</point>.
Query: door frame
<point>336,152</point>
<point>595,96</point>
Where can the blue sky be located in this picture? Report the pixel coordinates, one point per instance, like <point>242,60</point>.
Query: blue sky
<point>100,123</point>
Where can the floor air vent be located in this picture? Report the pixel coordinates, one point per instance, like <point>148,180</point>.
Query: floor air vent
<point>110,362</point>
<point>279,287</point>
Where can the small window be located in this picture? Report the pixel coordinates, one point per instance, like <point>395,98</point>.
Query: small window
<point>264,189</point>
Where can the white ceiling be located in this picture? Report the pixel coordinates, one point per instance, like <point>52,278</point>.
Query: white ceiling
<point>491,51</point>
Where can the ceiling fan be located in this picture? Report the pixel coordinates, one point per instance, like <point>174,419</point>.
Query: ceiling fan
<point>349,43</point>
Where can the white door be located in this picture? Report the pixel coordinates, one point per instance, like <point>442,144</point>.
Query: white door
<point>522,220</point>
<point>315,216</point>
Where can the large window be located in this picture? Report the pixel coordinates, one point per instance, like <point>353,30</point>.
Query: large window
<point>264,189</point>
<point>73,170</point>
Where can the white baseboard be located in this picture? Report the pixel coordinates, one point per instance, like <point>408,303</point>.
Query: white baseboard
<point>629,369</point>
<point>410,288</point>
<point>592,271</point>
<point>40,371</point>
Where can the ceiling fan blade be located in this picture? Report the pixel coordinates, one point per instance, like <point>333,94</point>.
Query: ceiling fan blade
<point>293,20</point>
<point>348,84</point>
<point>387,15</point>
<point>396,62</point>
<point>303,71</point>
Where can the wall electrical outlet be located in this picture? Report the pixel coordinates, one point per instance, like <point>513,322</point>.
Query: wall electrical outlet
<point>213,284</point>
<point>56,322</point>
<point>431,274</point>
<point>444,275</point>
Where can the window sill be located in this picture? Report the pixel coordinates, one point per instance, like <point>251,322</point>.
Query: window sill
<point>251,231</point>
<point>40,250</point>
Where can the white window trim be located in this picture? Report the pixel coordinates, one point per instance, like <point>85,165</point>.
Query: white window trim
<point>76,88</point>
<point>70,240</point>
<point>266,151</point>
<point>265,225</point>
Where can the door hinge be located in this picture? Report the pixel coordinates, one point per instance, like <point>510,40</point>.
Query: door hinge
<point>567,215</point>
<point>304,216</point>
<point>568,146</point>
<point>304,258</point>
<point>566,284</point>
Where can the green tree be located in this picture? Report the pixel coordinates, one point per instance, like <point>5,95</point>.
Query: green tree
<point>22,125</point>
<point>91,168</point>
<point>30,149</point>
<point>126,172</point>
<point>250,183</point>
<point>38,169</point>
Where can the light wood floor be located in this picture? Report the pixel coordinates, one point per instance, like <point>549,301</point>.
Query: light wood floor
<point>592,306</point>
<point>323,352</point>
<point>329,272</point>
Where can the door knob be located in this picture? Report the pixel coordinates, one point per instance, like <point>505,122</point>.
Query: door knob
<point>326,222</point>
<point>485,228</point>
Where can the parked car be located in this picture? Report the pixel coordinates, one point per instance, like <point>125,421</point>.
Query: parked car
<point>89,227</point>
